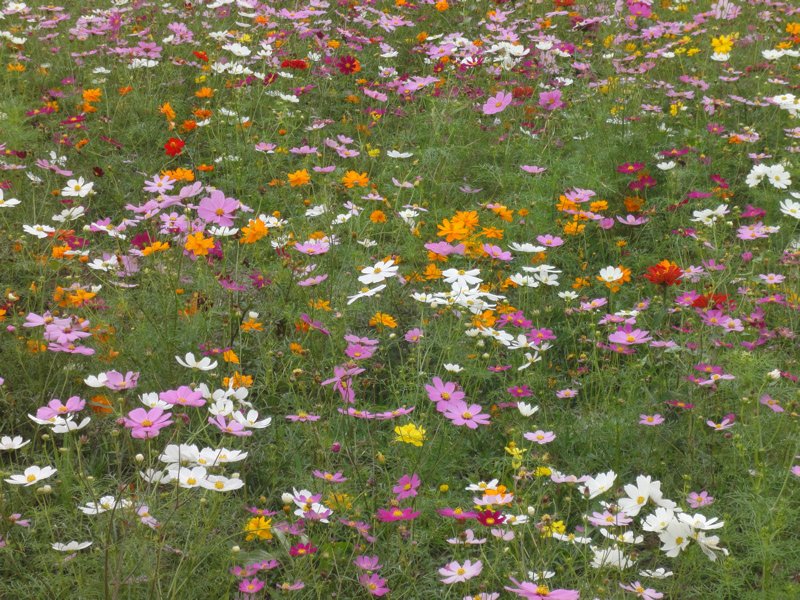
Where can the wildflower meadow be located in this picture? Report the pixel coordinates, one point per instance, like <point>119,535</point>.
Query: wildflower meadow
<point>414,299</point>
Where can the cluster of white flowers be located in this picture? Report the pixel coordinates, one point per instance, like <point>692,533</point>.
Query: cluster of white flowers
<point>777,175</point>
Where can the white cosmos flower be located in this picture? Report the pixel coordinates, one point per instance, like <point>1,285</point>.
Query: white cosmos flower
<point>527,410</point>
<point>675,538</point>
<point>382,271</point>
<point>31,475</point>
<point>77,188</point>
<point>660,573</point>
<point>219,483</point>
<point>40,231</point>
<point>462,278</point>
<point>779,177</point>
<point>72,546</point>
<point>190,362</point>
<point>452,368</point>
<point>610,557</point>
<point>7,203</point>
<point>15,443</point>
<point>251,419</point>
<point>96,381</point>
<point>364,293</point>
<point>599,484</point>
<point>790,208</point>
<point>192,478</point>
<point>396,154</point>
<point>611,274</point>
<point>105,503</point>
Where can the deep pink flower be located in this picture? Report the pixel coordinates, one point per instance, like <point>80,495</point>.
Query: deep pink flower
<point>387,515</point>
<point>251,586</point>
<point>551,100</point>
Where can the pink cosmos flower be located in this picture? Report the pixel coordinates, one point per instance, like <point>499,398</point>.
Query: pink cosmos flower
<point>549,240</point>
<point>496,252</point>
<point>374,584</point>
<point>540,437</point>
<point>117,381</point>
<point>183,396</point>
<point>533,169</point>
<point>456,573</point>
<point>330,477</point>
<point>233,427</point>
<point>534,591</point>
<point>497,103</point>
<point>628,336</point>
<point>551,100</point>
<point>147,423</point>
<point>698,500</point>
<point>568,393</point>
<point>368,563</point>
<point>461,413</point>
<point>766,400</point>
<point>55,408</point>
<point>387,515</point>
<point>406,486</point>
<point>302,417</point>
<point>216,208</point>
<point>644,593</point>
<point>251,586</point>
<point>441,391</point>
<point>651,420</point>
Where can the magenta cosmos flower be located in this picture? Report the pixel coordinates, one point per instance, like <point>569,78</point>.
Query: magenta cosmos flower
<point>551,100</point>
<point>461,413</point>
<point>251,586</point>
<point>628,336</point>
<point>387,515</point>
<point>216,208</point>
<point>146,423</point>
<point>497,103</point>
<point>406,486</point>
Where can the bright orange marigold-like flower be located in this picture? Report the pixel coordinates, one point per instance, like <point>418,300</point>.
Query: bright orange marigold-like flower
<point>299,178</point>
<point>382,319</point>
<point>353,178</point>
<point>198,244</point>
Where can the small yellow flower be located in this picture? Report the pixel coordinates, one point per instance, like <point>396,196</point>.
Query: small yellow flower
<point>410,434</point>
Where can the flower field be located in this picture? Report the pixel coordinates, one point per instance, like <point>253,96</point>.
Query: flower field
<point>415,299</point>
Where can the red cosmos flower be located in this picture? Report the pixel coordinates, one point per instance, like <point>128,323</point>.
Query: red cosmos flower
<point>294,64</point>
<point>348,65</point>
<point>664,273</point>
<point>174,146</point>
<point>201,55</point>
<point>718,301</point>
<point>490,518</point>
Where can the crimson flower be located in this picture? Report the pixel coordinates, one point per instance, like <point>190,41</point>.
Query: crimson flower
<point>174,146</point>
<point>664,273</point>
